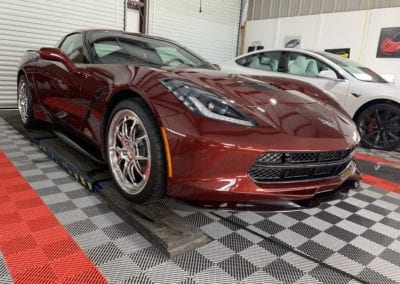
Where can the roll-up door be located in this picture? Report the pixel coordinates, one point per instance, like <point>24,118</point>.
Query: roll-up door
<point>37,23</point>
<point>212,33</point>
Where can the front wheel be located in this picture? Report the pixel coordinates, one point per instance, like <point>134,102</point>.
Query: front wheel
<point>135,151</point>
<point>24,99</point>
<point>379,126</point>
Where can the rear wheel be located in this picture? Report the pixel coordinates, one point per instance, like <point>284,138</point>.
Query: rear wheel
<point>24,99</point>
<point>379,126</point>
<point>135,151</point>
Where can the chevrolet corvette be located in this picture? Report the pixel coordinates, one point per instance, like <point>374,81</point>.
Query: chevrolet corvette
<point>168,122</point>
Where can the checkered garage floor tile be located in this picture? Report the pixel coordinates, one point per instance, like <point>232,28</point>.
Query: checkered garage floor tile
<point>355,240</point>
<point>388,155</point>
<point>5,277</point>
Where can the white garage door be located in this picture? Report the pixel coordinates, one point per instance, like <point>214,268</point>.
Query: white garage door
<point>36,23</point>
<point>213,33</point>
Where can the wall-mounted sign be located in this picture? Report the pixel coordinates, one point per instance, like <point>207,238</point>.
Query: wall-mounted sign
<point>255,45</point>
<point>389,43</point>
<point>344,52</point>
<point>292,42</point>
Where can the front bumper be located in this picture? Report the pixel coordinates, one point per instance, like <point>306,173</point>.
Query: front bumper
<point>214,167</point>
<point>242,188</point>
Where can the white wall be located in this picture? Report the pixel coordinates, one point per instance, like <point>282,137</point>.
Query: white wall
<point>358,30</point>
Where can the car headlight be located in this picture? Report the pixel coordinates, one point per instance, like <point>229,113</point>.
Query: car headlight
<point>205,103</point>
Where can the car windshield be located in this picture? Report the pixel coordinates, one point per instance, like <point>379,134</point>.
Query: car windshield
<point>353,68</point>
<point>120,48</point>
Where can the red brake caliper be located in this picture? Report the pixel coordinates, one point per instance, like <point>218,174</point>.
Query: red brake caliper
<point>371,124</point>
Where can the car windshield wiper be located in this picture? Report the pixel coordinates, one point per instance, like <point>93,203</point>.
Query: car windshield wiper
<point>146,64</point>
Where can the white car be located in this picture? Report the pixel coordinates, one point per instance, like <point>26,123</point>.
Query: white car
<point>370,100</point>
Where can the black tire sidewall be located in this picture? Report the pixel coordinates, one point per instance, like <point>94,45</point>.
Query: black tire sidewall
<point>156,185</point>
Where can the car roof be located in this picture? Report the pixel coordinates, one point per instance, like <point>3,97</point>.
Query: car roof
<point>306,51</point>
<point>119,32</point>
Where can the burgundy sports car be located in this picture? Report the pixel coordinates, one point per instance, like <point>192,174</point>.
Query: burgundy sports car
<point>166,121</point>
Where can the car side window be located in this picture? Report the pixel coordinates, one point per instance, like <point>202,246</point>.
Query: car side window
<point>73,48</point>
<point>304,65</point>
<point>267,61</point>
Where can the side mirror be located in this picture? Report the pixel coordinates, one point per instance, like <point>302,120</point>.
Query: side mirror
<point>327,74</point>
<point>56,54</point>
<point>216,66</point>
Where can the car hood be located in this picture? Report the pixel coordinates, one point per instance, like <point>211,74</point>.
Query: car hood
<point>250,91</point>
<point>279,107</point>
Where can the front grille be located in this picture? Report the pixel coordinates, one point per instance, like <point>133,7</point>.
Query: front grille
<point>280,167</point>
<point>271,158</point>
<point>302,157</point>
<point>265,174</point>
<point>332,156</point>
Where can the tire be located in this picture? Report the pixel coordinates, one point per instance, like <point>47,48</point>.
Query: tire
<point>24,99</point>
<point>138,179</point>
<point>379,126</point>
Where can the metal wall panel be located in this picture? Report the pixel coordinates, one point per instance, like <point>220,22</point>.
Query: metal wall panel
<point>212,33</point>
<point>269,9</point>
<point>37,23</point>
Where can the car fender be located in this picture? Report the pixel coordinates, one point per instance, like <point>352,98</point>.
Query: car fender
<point>27,66</point>
<point>362,94</point>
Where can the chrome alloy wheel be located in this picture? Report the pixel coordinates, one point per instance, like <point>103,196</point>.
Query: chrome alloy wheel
<point>129,151</point>
<point>23,104</point>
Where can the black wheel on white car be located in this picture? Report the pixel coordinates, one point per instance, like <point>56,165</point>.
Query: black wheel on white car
<point>379,126</point>
<point>24,99</point>
<point>135,151</point>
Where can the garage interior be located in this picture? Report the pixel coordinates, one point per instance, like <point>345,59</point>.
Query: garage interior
<point>63,220</point>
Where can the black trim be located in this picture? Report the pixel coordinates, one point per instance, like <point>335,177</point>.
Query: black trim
<point>86,47</point>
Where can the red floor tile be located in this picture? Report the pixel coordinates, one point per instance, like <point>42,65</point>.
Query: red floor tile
<point>35,246</point>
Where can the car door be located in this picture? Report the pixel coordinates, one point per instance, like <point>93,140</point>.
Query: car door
<point>259,64</point>
<point>110,64</point>
<point>60,88</point>
<point>307,68</point>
